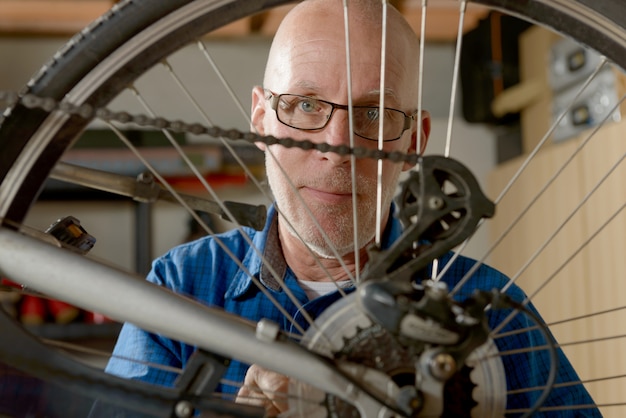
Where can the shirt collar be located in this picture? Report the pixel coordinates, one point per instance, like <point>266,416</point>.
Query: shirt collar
<point>273,255</point>
<point>268,244</point>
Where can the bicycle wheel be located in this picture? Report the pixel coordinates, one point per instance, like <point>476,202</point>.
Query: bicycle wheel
<point>97,66</point>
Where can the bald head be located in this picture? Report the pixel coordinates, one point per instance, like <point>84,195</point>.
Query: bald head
<point>319,25</point>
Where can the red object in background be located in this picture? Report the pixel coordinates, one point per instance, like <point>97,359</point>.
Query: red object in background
<point>63,313</point>
<point>6,282</point>
<point>192,184</point>
<point>35,311</point>
<point>32,310</point>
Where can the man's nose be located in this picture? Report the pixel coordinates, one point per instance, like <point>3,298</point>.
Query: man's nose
<point>337,133</point>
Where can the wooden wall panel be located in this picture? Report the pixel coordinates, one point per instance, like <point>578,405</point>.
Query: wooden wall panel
<point>594,280</point>
<point>49,17</point>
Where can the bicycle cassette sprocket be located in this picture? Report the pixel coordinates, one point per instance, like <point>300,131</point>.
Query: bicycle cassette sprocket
<point>346,334</point>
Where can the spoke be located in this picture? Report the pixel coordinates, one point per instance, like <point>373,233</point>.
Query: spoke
<point>225,83</point>
<point>566,407</point>
<point>230,383</point>
<point>191,166</point>
<point>455,76</point>
<point>105,354</point>
<point>593,340</point>
<point>556,323</point>
<point>434,269</point>
<point>208,120</point>
<point>548,346</point>
<point>420,76</point>
<point>381,104</point>
<point>355,222</point>
<point>566,384</point>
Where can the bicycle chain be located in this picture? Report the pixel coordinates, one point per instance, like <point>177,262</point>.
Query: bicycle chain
<point>88,112</point>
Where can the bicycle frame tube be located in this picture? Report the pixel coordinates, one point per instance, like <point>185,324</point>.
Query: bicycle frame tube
<point>76,280</point>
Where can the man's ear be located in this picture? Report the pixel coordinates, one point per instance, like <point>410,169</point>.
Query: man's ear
<point>424,138</point>
<point>257,114</point>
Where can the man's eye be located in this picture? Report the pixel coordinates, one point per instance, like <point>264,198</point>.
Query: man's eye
<point>372,114</point>
<point>306,106</point>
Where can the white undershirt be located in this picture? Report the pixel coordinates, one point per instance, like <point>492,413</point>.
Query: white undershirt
<point>314,289</point>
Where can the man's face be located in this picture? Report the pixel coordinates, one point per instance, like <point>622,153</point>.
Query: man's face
<point>310,60</point>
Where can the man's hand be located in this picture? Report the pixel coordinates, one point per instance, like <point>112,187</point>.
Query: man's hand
<point>265,388</point>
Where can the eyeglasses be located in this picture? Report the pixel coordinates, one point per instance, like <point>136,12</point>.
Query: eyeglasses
<point>310,114</point>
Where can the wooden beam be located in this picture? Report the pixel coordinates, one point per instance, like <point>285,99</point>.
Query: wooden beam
<point>237,29</point>
<point>49,17</point>
<point>442,18</point>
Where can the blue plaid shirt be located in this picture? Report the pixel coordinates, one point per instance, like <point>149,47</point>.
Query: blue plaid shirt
<point>204,270</point>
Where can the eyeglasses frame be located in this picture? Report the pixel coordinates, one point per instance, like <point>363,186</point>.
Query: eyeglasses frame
<point>274,99</point>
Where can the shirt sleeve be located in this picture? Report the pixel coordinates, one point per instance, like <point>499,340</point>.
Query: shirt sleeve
<point>144,356</point>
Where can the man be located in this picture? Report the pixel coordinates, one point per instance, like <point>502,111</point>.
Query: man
<point>309,240</point>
